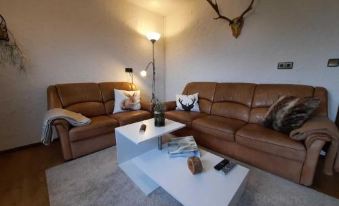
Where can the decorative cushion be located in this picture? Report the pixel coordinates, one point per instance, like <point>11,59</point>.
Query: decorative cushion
<point>126,100</point>
<point>188,103</point>
<point>289,113</point>
<point>269,116</point>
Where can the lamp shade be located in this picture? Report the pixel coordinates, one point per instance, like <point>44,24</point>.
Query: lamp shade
<point>153,36</point>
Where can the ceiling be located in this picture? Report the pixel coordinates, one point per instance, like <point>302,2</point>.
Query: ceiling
<point>162,7</point>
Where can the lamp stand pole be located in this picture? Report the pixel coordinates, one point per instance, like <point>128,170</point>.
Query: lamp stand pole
<point>153,82</point>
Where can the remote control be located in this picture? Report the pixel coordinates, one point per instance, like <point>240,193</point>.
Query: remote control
<point>228,167</point>
<point>221,164</point>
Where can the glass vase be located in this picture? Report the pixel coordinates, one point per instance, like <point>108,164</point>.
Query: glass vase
<point>159,119</point>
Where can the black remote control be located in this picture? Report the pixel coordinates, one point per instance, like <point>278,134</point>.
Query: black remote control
<point>221,164</point>
<point>228,167</point>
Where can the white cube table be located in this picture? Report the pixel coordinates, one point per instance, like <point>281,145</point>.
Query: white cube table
<point>131,143</point>
<point>149,168</point>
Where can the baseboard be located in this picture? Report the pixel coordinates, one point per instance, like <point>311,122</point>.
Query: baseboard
<point>21,147</point>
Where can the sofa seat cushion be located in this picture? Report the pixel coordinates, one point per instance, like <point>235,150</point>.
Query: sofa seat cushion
<point>99,125</point>
<point>131,116</point>
<point>183,116</point>
<point>218,126</point>
<point>270,141</point>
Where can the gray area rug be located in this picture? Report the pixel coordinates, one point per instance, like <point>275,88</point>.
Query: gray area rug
<point>97,180</point>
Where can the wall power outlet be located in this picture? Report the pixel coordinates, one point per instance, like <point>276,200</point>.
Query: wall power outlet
<point>285,65</point>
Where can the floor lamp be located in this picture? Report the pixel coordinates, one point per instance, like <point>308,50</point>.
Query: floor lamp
<point>153,37</point>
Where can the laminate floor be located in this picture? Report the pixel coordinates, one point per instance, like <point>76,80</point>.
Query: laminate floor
<point>22,174</point>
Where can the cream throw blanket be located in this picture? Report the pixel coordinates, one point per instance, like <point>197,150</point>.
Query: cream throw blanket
<point>75,119</point>
<point>325,129</point>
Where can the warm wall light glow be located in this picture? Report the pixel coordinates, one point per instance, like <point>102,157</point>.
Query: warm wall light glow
<point>153,36</point>
<point>143,73</point>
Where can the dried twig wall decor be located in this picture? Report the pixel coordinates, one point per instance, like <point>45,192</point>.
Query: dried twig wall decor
<point>10,52</point>
<point>3,29</point>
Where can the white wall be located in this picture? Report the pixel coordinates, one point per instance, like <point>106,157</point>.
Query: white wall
<point>93,41</point>
<point>71,41</point>
<point>199,48</point>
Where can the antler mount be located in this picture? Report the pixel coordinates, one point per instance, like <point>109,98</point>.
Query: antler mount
<point>237,23</point>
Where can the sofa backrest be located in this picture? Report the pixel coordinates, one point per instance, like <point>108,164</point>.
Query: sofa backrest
<point>206,92</point>
<point>107,90</point>
<point>233,100</point>
<point>84,98</point>
<point>249,102</point>
<point>89,99</point>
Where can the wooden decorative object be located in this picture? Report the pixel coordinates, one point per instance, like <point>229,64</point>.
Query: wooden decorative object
<point>142,128</point>
<point>194,164</point>
<point>237,23</point>
<point>3,29</point>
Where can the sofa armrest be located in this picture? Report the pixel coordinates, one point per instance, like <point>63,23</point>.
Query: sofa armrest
<point>316,132</point>
<point>310,140</point>
<point>62,127</point>
<point>311,161</point>
<point>62,123</point>
<point>170,105</point>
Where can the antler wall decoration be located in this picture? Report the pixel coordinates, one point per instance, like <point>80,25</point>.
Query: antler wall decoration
<point>237,23</point>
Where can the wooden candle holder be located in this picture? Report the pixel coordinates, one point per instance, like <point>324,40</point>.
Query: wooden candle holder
<point>194,165</point>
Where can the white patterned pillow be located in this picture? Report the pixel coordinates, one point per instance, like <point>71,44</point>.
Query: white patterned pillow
<point>188,102</point>
<point>126,100</point>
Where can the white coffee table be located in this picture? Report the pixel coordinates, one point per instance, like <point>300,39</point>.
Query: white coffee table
<point>149,168</point>
<point>131,143</point>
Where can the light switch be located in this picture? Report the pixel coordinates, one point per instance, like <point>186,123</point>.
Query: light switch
<point>333,63</point>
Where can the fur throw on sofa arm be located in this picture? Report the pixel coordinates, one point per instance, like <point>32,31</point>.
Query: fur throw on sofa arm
<point>75,119</point>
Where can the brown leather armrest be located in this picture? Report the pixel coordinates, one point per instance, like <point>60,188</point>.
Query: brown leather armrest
<point>316,128</point>
<point>314,143</point>
<point>62,128</point>
<point>146,105</point>
<point>311,161</point>
<point>170,105</point>
<point>312,138</point>
<point>63,123</point>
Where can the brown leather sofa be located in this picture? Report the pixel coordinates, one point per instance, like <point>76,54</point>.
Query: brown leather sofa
<point>95,101</point>
<point>229,123</point>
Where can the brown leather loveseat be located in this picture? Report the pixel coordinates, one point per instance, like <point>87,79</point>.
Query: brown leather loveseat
<point>95,101</point>
<point>229,123</point>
